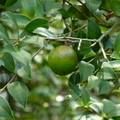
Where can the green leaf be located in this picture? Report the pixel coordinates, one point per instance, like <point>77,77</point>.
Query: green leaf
<point>19,91</point>
<point>112,64</point>
<point>22,20</point>
<point>115,6</point>
<point>106,73</point>
<point>109,42</point>
<point>22,56</point>
<point>63,12</point>
<point>14,22</point>
<point>5,110</point>
<point>72,83</point>
<point>85,97</point>
<point>94,31</point>
<point>115,112</point>
<point>108,106</point>
<point>25,72</point>
<point>117,43</point>
<point>4,34</point>
<point>38,22</point>
<point>39,10</point>
<point>85,69</point>
<point>93,81</point>
<point>104,86</point>
<point>93,5</point>
<point>8,62</point>
<point>29,6</point>
<point>44,32</point>
<point>7,3</point>
<point>50,4</point>
<point>115,55</point>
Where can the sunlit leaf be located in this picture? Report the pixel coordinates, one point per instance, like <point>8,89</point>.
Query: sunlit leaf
<point>115,112</point>
<point>106,73</point>
<point>93,81</point>
<point>38,22</point>
<point>25,72</point>
<point>19,91</point>
<point>29,6</point>
<point>108,106</point>
<point>44,32</point>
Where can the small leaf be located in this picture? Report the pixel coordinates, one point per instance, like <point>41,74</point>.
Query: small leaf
<point>39,10</point>
<point>72,83</point>
<point>85,97</point>
<point>94,31</point>
<point>93,5</point>
<point>8,62</point>
<point>22,20</point>
<point>25,72</point>
<point>104,86</point>
<point>22,56</point>
<point>63,12</point>
<point>108,106</point>
<point>5,110</point>
<point>117,43</point>
<point>85,69</point>
<point>4,34</point>
<point>29,6</point>
<point>7,3</point>
<point>115,6</point>
<point>115,55</point>
<point>19,91</point>
<point>93,81</point>
<point>38,22</point>
<point>13,20</point>
<point>106,73</point>
<point>116,111</point>
<point>112,64</point>
<point>44,32</point>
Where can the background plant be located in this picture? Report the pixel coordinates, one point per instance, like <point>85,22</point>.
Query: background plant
<point>29,30</point>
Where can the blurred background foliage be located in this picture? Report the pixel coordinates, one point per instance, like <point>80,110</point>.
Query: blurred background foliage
<point>49,94</point>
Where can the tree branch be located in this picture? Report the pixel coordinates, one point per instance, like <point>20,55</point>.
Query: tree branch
<point>1,90</point>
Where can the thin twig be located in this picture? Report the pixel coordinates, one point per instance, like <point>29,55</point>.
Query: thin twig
<point>37,52</point>
<point>81,92</point>
<point>106,33</point>
<point>68,39</point>
<point>103,51</point>
<point>1,90</point>
<point>77,9</point>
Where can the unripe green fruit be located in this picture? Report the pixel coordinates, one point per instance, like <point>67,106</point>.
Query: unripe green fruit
<point>62,60</point>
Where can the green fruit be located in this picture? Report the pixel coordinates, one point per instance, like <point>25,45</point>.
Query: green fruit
<point>62,60</point>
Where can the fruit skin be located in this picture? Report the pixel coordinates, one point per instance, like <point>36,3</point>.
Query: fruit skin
<point>62,60</point>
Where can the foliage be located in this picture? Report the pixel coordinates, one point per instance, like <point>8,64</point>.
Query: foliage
<point>29,89</point>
